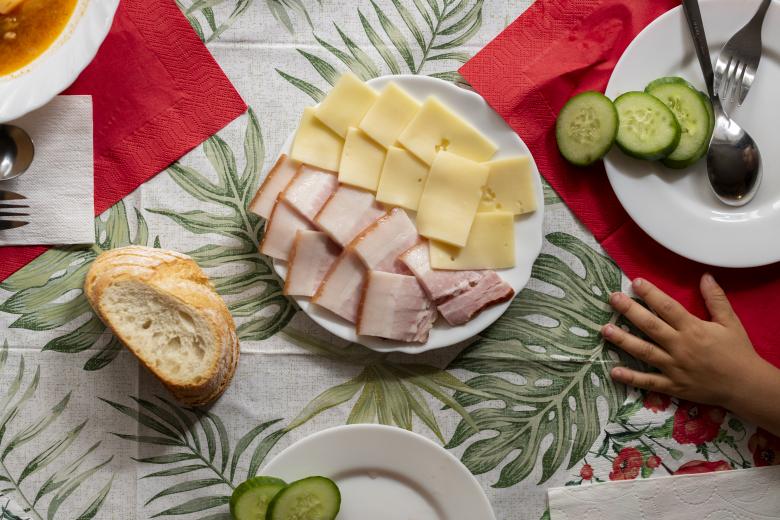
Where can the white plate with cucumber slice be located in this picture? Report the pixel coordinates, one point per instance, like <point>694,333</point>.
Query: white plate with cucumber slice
<point>386,473</point>
<point>676,206</point>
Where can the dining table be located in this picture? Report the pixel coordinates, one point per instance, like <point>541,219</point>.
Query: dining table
<point>526,405</point>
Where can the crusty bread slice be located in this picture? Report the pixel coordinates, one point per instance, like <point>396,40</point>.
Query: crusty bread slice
<point>164,309</point>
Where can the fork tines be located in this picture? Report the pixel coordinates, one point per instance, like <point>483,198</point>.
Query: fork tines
<point>11,224</point>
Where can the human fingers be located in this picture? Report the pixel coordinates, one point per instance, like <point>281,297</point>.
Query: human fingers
<point>664,305</point>
<point>716,300</point>
<point>655,382</point>
<point>637,347</point>
<point>649,323</point>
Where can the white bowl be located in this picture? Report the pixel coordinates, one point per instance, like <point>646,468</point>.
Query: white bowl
<point>40,81</point>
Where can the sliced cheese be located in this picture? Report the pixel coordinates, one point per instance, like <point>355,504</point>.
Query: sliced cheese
<point>450,198</point>
<point>436,128</point>
<point>510,186</point>
<point>403,179</point>
<point>361,161</point>
<point>389,116</point>
<point>346,104</point>
<point>491,245</point>
<point>315,144</point>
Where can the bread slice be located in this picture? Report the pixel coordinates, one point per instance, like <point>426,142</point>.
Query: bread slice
<point>164,309</point>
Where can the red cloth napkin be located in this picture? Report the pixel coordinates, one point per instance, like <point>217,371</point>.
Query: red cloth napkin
<point>556,49</point>
<point>156,92</point>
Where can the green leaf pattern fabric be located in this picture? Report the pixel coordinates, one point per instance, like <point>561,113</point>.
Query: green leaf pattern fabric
<point>85,433</point>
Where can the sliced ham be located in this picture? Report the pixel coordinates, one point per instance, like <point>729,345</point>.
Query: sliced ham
<point>347,213</point>
<point>438,284</point>
<point>312,256</point>
<point>309,190</point>
<point>280,231</point>
<point>277,180</point>
<point>340,291</point>
<point>380,245</point>
<point>491,289</point>
<point>394,306</point>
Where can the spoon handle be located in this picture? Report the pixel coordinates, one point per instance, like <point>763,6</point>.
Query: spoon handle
<point>696,25</point>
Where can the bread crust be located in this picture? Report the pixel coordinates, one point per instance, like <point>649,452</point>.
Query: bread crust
<point>176,276</point>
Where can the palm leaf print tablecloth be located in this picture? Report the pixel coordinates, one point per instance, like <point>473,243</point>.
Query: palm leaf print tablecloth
<point>528,404</point>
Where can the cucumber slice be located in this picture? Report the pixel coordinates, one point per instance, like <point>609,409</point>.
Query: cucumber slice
<point>313,498</point>
<point>250,500</point>
<point>692,114</point>
<point>586,128</point>
<point>648,128</point>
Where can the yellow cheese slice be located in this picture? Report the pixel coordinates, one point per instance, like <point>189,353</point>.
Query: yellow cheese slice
<point>346,104</point>
<point>388,117</point>
<point>436,128</point>
<point>450,198</point>
<point>510,186</point>
<point>403,179</point>
<point>361,161</point>
<point>491,245</point>
<point>315,144</point>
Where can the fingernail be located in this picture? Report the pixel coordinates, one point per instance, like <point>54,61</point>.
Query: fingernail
<point>608,330</point>
<point>615,297</point>
<point>636,284</point>
<point>708,279</point>
<point>617,372</point>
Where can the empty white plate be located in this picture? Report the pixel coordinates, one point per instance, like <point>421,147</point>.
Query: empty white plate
<point>528,228</point>
<point>386,473</point>
<point>677,207</point>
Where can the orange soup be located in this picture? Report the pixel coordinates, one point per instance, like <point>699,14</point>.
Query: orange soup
<point>29,29</point>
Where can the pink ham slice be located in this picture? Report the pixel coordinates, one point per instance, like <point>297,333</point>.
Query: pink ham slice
<point>340,291</point>
<point>380,245</point>
<point>394,306</point>
<point>309,190</point>
<point>491,289</point>
<point>347,213</point>
<point>277,180</point>
<point>312,256</point>
<point>280,231</point>
<point>437,283</point>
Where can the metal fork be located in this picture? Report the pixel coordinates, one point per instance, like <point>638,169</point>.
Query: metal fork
<point>738,61</point>
<point>6,196</point>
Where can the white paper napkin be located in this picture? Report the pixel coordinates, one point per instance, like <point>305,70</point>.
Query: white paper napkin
<point>59,184</point>
<point>724,495</point>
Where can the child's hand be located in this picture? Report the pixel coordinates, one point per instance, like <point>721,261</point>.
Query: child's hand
<point>703,361</point>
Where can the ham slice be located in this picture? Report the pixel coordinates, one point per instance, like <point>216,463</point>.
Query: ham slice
<point>394,306</point>
<point>280,231</point>
<point>309,190</point>
<point>312,256</point>
<point>277,180</point>
<point>491,289</point>
<point>347,213</point>
<point>380,245</point>
<point>340,291</point>
<point>438,284</point>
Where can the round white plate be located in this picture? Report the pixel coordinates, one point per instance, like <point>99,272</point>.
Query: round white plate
<point>53,71</point>
<point>386,473</point>
<point>528,228</point>
<point>677,207</point>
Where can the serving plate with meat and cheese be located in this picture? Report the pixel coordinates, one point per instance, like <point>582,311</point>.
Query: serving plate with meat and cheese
<point>403,213</point>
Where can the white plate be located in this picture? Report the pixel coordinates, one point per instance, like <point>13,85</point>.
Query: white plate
<point>528,228</point>
<point>37,83</point>
<point>677,208</point>
<point>386,473</point>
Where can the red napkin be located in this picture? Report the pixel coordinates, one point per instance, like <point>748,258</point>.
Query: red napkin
<point>156,92</point>
<point>556,49</point>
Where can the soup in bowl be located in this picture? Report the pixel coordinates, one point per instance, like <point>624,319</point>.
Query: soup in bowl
<point>28,28</point>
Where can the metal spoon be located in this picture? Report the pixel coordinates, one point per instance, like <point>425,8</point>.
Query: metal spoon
<point>16,152</point>
<point>733,160</point>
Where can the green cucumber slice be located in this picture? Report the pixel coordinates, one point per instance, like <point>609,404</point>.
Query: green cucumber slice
<point>691,111</point>
<point>250,499</point>
<point>586,128</point>
<point>647,129</point>
<point>313,498</point>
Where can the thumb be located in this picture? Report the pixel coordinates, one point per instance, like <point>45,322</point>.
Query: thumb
<point>716,300</point>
